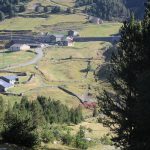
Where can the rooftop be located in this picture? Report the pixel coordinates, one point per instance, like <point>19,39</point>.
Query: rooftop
<point>58,35</point>
<point>5,84</point>
<point>17,45</point>
<point>10,77</point>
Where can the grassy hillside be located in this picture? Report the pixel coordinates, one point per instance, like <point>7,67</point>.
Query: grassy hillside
<point>53,70</point>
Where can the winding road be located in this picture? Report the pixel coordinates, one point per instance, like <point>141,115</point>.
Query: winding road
<point>39,55</point>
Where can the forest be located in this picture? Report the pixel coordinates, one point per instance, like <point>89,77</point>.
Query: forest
<point>10,8</point>
<point>29,123</point>
<point>113,9</point>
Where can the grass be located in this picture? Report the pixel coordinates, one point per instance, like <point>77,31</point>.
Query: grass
<point>20,23</point>
<point>61,23</point>
<point>61,3</point>
<point>53,73</point>
<point>106,29</point>
<point>61,73</point>
<point>12,58</point>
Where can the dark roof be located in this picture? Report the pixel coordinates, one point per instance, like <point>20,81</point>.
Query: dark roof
<point>5,84</point>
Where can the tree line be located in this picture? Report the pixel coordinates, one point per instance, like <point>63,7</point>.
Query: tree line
<point>28,123</point>
<point>53,9</point>
<point>126,110</point>
<point>10,8</point>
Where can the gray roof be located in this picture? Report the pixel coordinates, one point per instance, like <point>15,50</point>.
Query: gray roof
<point>17,45</point>
<point>10,77</point>
<point>5,84</point>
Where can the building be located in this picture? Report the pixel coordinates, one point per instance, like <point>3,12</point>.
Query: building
<point>18,47</point>
<point>73,33</point>
<point>57,38</point>
<point>68,42</point>
<point>95,20</point>
<point>33,45</point>
<point>4,86</point>
<point>43,38</point>
<point>10,79</point>
<point>51,39</point>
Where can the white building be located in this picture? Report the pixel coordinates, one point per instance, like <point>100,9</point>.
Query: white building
<point>73,33</point>
<point>69,41</point>
<point>18,47</point>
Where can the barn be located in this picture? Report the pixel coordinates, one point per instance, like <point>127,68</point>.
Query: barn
<point>18,47</point>
<point>4,86</point>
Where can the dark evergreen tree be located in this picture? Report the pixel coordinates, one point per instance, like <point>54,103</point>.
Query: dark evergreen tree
<point>19,131</point>
<point>2,16</point>
<point>119,108</point>
<point>95,112</point>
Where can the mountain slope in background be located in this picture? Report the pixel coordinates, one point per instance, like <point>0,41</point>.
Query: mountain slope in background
<point>113,9</point>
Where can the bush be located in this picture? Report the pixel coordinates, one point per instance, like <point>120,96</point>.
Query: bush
<point>20,132</point>
<point>67,138</point>
<point>80,141</point>
<point>106,140</point>
<point>47,136</point>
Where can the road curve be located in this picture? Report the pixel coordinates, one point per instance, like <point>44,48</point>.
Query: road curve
<point>39,55</point>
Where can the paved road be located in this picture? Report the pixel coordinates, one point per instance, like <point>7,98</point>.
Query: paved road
<point>39,52</point>
<point>106,39</point>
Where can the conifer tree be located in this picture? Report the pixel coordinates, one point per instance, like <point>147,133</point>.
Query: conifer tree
<point>119,108</point>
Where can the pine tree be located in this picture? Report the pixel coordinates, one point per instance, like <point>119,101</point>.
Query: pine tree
<point>119,108</point>
<point>2,112</point>
<point>95,112</point>
<point>2,16</point>
<point>19,131</point>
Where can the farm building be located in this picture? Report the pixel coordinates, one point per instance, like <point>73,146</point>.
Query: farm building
<point>95,20</point>
<point>43,38</point>
<point>18,47</point>
<point>68,42</point>
<point>73,33</point>
<point>57,38</point>
<point>10,79</point>
<point>4,86</point>
<point>50,38</point>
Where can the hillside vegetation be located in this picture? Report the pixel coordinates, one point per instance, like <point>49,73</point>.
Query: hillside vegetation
<point>112,9</point>
<point>10,8</point>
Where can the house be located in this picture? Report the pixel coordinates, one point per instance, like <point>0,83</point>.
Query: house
<point>73,33</point>
<point>68,41</point>
<point>10,79</point>
<point>43,38</point>
<point>57,38</point>
<point>95,20</point>
<point>18,47</point>
<point>4,86</point>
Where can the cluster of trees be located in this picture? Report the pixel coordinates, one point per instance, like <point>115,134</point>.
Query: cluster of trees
<point>127,109</point>
<point>9,8</point>
<point>52,9</point>
<point>29,123</point>
<point>112,9</point>
<point>136,6</point>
